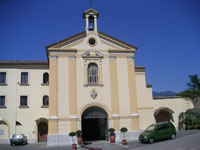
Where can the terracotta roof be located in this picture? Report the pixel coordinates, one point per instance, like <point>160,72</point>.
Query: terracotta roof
<point>19,62</point>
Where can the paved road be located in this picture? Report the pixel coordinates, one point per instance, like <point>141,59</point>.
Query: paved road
<point>189,142</point>
<point>186,140</point>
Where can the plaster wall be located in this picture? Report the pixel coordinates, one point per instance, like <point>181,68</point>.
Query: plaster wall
<point>122,74</point>
<point>144,94</point>
<point>63,87</point>
<point>177,105</point>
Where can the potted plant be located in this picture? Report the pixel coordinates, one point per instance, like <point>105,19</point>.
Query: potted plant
<point>79,137</point>
<point>124,130</point>
<point>72,134</point>
<point>112,135</point>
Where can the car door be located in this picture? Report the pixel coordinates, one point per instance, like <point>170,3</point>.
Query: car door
<point>164,131</point>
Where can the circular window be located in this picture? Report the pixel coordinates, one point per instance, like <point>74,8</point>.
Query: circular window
<point>92,41</point>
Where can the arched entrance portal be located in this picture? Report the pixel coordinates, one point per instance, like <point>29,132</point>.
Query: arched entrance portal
<point>94,124</point>
<point>163,114</point>
<point>42,129</point>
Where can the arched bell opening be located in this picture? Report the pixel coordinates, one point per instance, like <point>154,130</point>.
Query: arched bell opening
<point>94,124</point>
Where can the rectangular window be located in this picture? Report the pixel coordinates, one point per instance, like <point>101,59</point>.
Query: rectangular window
<point>2,77</point>
<point>2,101</point>
<point>23,101</point>
<point>92,73</point>
<point>24,78</point>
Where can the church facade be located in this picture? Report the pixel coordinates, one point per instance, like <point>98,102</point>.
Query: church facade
<point>90,83</point>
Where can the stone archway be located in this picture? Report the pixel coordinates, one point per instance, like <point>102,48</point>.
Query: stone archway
<point>163,114</point>
<point>94,124</point>
<point>42,129</point>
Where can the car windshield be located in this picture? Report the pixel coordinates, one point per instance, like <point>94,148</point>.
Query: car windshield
<point>150,128</point>
<point>17,136</point>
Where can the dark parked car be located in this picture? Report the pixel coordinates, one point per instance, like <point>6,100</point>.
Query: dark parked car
<point>158,131</point>
<point>18,139</point>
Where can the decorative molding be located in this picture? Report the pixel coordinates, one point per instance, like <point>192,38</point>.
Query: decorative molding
<point>44,84</point>
<point>130,57</point>
<point>134,115</point>
<point>97,85</point>
<point>115,115</point>
<point>23,106</point>
<point>53,57</point>
<point>24,84</point>
<point>72,57</point>
<point>73,117</point>
<point>112,57</point>
<point>145,108</point>
<point>93,94</point>
<point>53,118</point>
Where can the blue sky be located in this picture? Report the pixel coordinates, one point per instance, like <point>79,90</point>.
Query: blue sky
<point>166,32</point>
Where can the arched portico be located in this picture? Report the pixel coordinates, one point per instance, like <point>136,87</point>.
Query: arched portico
<point>94,124</point>
<point>163,114</point>
<point>42,129</point>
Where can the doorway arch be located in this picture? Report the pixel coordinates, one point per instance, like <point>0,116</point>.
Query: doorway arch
<point>5,129</point>
<point>163,114</point>
<point>94,124</point>
<point>42,129</point>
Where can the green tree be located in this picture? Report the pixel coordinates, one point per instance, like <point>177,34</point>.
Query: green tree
<point>193,91</point>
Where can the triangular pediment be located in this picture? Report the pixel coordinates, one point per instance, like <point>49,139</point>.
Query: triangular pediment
<point>90,11</point>
<point>80,42</point>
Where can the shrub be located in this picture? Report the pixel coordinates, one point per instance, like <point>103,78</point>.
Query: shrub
<point>78,133</point>
<point>112,131</point>
<point>190,119</point>
<point>72,134</point>
<point>124,130</point>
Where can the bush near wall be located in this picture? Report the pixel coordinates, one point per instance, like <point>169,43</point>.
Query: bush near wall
<point>190,119</point>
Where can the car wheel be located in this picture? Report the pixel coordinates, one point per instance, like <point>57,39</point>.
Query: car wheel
<point>173,136</point>
<point>151,140</point>
<point>11,144</point>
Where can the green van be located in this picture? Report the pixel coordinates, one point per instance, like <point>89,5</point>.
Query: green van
<point>158,131</point>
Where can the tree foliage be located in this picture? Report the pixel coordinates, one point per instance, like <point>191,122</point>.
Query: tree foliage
<point>193,91</point>
<point>190,119</point>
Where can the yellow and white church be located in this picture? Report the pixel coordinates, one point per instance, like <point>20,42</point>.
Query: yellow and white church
<point>89,83</point>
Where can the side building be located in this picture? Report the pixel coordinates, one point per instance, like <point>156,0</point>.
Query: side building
<point>24,99</point>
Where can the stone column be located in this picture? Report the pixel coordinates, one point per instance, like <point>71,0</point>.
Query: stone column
<point>95,23</point>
